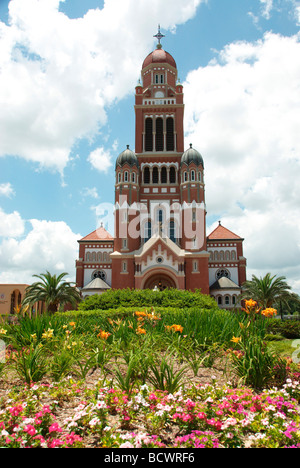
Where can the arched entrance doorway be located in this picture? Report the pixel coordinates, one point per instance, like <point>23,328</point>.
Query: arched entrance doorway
<point>160,281</point>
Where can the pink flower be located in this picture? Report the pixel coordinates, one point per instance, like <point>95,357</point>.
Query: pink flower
<point>55,428</point>
<point>126,445</point>
<point>30,430</point>
<point>55,443</point>
<point>16,410</point>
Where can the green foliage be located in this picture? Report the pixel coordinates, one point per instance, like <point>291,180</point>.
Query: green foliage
<point>164,377</point>
<point>31,364</point>
<point>267,291</point>
<point>257,366</point>
<point>115,298</point>
<point>53,290</point>
<point>288,328</point>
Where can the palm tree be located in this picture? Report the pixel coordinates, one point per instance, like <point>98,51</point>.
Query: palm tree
<point>53,291</point>
<point>267,291</point>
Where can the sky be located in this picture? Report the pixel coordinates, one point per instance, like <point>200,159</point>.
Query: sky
<point>68,71</point>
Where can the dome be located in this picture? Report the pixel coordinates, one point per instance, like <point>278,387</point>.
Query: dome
<point>192,155</point>
<point>159,56</point>
<point>128,157</point>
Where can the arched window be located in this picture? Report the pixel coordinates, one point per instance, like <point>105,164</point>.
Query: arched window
<point>193,176</point>
<point>99,257</point>
<point>133,177</point>
<point>172,231</point>
<point>87,257</point>
<point>172,175</point>
<point>160,216</point>
<point>164,178</point>
<point>94,257</point>
<point>99,274</point>
<point>221,256</point>
<point>119,177</point>
<point>199,176</point>
<point>149,134</point>
<point>185,177</point>
<point>147,231</point>
<point>125,176</point>
<point>227,255</point>
<point>216,256</point>
<point>146,175</point>
<point>220,300</point>
<point>227,300</point>
<point>234,300</point>
<point>155,175</point>
<point>159,134</point>
<point>233,256</point>
<point>170,134</point>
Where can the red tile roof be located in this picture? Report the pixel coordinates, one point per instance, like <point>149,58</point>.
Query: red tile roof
<point>99,235</point>
<point>222,233</point>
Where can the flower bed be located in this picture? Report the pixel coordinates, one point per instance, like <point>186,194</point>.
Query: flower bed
<point>70,414</point>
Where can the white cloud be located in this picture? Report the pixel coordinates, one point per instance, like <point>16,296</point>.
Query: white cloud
<point>90,192</point>
<point>7,190</point>
<point>242,114</point>
<point>100,159</point>
<point>47,246</point>
<point>267,8</point>
<point>59,75</point>
<point>11,225</point>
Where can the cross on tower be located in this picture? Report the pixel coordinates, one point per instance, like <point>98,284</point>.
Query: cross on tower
<point>159,35</point>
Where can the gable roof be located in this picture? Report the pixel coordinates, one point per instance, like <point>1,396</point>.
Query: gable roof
<point>224,283</point>
<point>154,240</point>
<point>222,233</point>
<point>96,284</point>
<point>99,235</point>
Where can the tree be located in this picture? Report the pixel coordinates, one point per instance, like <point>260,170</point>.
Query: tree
<point>53,291</point>
<point>267,291</point>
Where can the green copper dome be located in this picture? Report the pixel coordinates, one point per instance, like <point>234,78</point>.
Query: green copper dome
<point>192,155</point>
<point>127,157</point>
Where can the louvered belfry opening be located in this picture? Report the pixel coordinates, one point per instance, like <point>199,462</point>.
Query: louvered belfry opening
<point>159,134</point>
<point>164,176</point>
<point>170,134</point>
<point>147,175</point>
<point>155,175</point>
<point>149,134</point>
<point>172,175</point>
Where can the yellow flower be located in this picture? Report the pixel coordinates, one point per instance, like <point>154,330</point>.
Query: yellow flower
<point>141,314</point>
<point>72,324</point>
<point>175,328</point>
<point>236,339</point>
<point>33,336</point>
<point>103,335</point>
<point>3,331</point>
<point>269,312</point>
<point>140,331</point>
<point>250,303</point>
<point>48,334</point>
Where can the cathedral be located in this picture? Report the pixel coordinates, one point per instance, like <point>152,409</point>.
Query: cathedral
<point>160,238</point>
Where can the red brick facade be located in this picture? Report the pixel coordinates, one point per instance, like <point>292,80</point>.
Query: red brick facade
<point>160,214</point>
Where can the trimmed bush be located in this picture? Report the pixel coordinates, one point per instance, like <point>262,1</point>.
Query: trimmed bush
<point>289,329</point>
<point>115,298</point>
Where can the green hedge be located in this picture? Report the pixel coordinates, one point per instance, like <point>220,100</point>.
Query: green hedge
<point>116,298</point>
<point>289,329</point>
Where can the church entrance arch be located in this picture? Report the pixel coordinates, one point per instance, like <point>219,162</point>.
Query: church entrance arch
<point>159,281</point>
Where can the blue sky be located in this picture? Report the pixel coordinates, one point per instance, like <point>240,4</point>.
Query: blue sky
<point>68,72</point>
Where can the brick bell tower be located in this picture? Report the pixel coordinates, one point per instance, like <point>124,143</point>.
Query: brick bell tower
<point>160,238</point>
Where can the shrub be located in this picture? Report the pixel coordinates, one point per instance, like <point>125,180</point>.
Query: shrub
<point>146,298</point>
<point>289,329</point>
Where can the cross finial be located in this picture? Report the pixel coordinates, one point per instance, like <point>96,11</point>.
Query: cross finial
<point>159,35</point>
